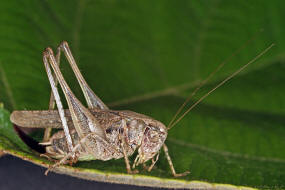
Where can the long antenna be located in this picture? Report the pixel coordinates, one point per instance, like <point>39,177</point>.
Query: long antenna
<point>208,78</point>
<point>220,84</point>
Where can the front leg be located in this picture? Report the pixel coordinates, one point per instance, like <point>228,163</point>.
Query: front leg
<point>153,161</point>
<point>171,164</point>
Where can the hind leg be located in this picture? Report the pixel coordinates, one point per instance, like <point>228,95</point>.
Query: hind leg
<point>93,101</point>
<point>47,132</point>
<point>83,142</point>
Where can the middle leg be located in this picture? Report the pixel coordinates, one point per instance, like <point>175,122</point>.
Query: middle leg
<point>123,146</point>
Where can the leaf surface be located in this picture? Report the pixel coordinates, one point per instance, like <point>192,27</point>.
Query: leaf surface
<point>148,56</point>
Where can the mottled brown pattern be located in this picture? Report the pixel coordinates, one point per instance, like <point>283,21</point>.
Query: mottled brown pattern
<point>94,133</point>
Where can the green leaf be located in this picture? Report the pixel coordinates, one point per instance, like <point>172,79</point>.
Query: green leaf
<point>148,56</point>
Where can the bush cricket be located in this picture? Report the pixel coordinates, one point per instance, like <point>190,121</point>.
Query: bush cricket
<point>97,132</point>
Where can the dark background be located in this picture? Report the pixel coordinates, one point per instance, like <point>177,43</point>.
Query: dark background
<point>19,174</point>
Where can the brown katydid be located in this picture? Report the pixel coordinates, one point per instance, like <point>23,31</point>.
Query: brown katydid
<point>97,132</point>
